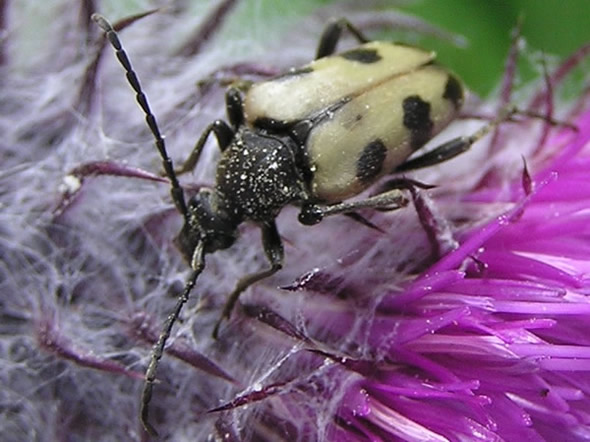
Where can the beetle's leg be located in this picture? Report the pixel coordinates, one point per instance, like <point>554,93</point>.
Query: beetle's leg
<point>331,36</point>
<point>273,247</point>
<point>390,200</point>
<point>223,131</point>
<point>224,134</point>
<point>234,108</point>
<point>438,155</point>
<point>458,145</point>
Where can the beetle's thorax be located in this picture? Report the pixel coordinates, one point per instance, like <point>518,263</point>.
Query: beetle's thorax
<point>258,175</point>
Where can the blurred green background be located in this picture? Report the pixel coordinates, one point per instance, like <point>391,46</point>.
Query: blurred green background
<point>553,29</point>
<point>558,28</point>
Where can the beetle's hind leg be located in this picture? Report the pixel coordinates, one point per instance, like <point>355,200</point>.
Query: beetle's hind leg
<point>331,36</point>
<point>457,146</point>
<point>454,147</point>
<point>437,229</point>
<point>273,248</point>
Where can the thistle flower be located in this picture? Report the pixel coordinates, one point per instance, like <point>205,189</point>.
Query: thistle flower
<point>365,335</point>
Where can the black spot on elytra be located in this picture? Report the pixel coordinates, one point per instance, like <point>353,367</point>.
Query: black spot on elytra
<point>454,91</point>
<point>362,55</point>
<point>370,163</point>
<point>417,120</point>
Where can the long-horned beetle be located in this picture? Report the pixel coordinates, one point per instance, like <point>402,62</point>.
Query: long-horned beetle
<point>313,136</point>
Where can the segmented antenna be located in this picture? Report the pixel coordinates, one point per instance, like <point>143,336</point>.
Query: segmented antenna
<point>198,262</point>
<point>176,190</point>
<point>158,349</point>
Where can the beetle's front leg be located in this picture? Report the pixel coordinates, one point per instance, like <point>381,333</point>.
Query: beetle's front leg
<point>273,247</point>
<point>223,131</point>
<point>224,134</point>
<point>331,36</point>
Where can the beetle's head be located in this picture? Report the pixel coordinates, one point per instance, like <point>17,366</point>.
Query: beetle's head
<point>206,223</point>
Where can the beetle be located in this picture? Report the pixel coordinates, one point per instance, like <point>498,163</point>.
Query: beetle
<point>314,137</point>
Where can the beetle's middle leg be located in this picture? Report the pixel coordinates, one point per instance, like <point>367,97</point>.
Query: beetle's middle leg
<point>273,248</point>
<point>389,200</point>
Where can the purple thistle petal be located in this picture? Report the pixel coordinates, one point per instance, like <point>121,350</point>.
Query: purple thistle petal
<point>51,340</point>
<point>249,398</point>
<point>276,321</point>
<point>74,181</point>
<point>181,350</point>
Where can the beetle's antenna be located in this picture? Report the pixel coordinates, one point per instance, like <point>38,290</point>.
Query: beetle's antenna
<point>176,190</point>
<point>198,261</point>
<point>158,349</point>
